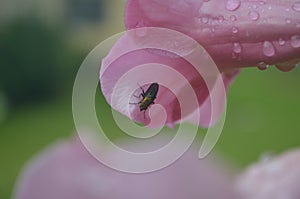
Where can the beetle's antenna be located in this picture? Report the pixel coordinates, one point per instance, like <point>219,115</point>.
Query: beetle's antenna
<point>141,88</point>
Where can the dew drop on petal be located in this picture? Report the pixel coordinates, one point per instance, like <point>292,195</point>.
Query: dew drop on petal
<point>233,5</point>
<point>266,157</point>
<point>262,66</point>
<point>262,3</point>
<point>268,49</point>
<point>281,41</point>
<point>205,30</point>
<point>295,41</point>
<point>235,30</point>
<point>232,18</point>
<point>296,7</point>
<point>286,67</point>
<point>234,55</point>
<point>140,30</point>
<point>288,21</point>
<point>205,19</point>
<point>255,6</point>
<point>220,19</point>
<point>206,0</point>
<point>253,15</point>
<point>237,48</point>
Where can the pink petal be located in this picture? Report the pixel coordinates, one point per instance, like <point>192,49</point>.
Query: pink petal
<point>236,33</point>
<point>209,114</point>
<point>119,64</point>
<point>67,171</point>
<point>275,178</point>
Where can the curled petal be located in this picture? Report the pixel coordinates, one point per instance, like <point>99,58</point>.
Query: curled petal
<point>209,112</point>
<point>184,79</point>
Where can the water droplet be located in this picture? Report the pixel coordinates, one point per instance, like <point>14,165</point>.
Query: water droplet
<point>237,48</point>
<point>269,8</point>
<point>296,7</point>
<point>205,30</point>
<point>268,49</point>
<point>233,5</point>
<point>141,32</point>
<point>204,19</point>
<point>288,21</point>
<point>253,15</point>
<point>287,9</point>
<point>232,18</point>
<point>247,33</point>
<point>266,157</point>
<point>281,41</point>
<point>220,19</point>
<point>262,3</point>
<point>206,0</point>
<point>254,6</point>
<point>262,66</point>
<point>234,55</point>
<point>285,67</point>
<point>295,41</point>
<point>235,30</point>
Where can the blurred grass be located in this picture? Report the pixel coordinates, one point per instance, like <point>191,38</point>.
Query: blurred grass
<point>262,116</point>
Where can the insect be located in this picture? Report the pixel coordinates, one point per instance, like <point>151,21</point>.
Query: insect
<point>148,97</point>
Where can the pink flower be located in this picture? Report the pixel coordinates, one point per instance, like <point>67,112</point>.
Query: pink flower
<point>235,33</point>
<point>275,178</point>
<point>67,171</point>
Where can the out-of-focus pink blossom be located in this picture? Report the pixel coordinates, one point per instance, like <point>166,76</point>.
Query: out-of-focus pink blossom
<point>277,178</point>
<point>67,171</point>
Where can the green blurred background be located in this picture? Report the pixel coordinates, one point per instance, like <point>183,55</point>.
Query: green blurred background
<point>42,44</point>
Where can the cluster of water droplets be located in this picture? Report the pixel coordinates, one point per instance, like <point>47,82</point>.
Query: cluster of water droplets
<point>269,51</point>
<point>211,20</point>
<point>268,47</point>
<point>284,67</point>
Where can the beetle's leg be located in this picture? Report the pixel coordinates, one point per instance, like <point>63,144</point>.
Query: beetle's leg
<point>144,114</point>
<point>134,103</point>
<point>137,96</point>
<point>143,92</point>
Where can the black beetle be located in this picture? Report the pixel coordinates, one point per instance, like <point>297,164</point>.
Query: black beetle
<point>148,97</point>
